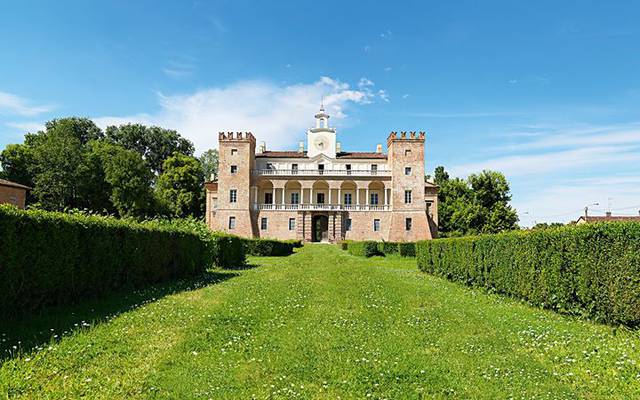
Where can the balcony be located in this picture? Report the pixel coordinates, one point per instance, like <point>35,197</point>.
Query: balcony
<point>323,207</point>
<point>319,172</point>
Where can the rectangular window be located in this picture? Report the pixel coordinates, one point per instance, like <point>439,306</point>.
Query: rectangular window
<point>263,223</point>
<point>295,198</point>
<point>320,169</point>
<point>348,166</point>
<point>234,152</point>
<point>320,198</point>
<point>373,199</point>
<point>407,196</point>
<point>233,196</point>
<point>232,222</point>
<point>347,199</point>
<point>407,224</point>
<point>376,225</point>
<point>347,224</point>
<point>292,224</point>
<point>407,153</point>
<point>294,168</point>
<point>268,198</point>
<point>374,169</point>
<point>234,169</point>
<point>407,170</point>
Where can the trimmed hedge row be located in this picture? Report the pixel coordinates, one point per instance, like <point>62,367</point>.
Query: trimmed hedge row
<point>372,248</point>
<point>591,269</point>
<point>270,247</point>
<point>53,258</point>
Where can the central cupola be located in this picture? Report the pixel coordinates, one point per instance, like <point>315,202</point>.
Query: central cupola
<point>322,138</point>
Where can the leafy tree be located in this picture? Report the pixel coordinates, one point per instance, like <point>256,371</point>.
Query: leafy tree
<point>545,225</point>
<point>128,180</point>
<point>57,161</point>
<point>16,161</point>
<point>83,129</point>
<point>210,160</point>
<point>477,205</point>
<point>154,144</point>
<point>179,187</point>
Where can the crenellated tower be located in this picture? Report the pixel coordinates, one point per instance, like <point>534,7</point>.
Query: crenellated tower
<point>237,159</point>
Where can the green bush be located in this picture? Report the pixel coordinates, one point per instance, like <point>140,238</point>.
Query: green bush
<point>270,247</point>
<point>54,258</point>
<point>228,250</point>
<point>388,248</point>
<point>363,249</point>
<point>591,269</point>
<point>407,249</point>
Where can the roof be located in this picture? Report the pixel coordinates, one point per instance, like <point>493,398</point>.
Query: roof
<point>609,218</point>
<point>4,182</point>
<point>282,154</point>
<point>351,155</point>
<point>360,155</point>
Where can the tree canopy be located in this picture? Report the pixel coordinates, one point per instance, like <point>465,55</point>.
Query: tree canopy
<point>479,204</point>
<point>73,164</point>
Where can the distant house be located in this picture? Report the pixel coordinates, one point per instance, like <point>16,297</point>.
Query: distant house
<point>606,218</point>
<point>13,193</point>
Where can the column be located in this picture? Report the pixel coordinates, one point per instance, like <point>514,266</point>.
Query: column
<point>283,195</point>
<point>329,190</point>
<point>367,195</point>
<point>273,194</point>
<point>385,197</point>
<point>339,197</point>
<point>301,195</point>
<point>357,197</point>
<point>311,196</point>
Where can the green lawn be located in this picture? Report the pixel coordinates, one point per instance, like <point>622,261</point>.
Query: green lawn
<point>318,324</point>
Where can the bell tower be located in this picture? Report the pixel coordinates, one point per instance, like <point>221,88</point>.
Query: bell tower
<point>322,138</point>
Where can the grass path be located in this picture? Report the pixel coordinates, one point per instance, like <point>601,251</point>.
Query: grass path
<point>324,324</point>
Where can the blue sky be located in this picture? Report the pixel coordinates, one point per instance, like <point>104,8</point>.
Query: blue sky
<point>547,92</point>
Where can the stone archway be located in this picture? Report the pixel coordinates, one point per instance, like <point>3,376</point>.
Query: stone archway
<point>320,228</point>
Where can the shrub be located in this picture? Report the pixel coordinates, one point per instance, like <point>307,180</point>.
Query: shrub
<point>270,247</point>
<point>407,249</point>
<point>53,258</point>
<point>590,269</point>
<point>228,250</point>
<point>364,249</point>
<point>388,248</point>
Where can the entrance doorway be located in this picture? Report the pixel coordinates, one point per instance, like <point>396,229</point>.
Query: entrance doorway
<point>320,231</point>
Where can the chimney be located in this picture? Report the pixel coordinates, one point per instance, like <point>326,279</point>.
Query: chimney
<point>263,147</point>
<point>379,148</point>
<point>338,147</point>
<point>301,147</point>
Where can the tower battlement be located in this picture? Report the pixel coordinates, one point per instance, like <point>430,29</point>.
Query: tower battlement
<point>413,135</point>
<point>236,136</point>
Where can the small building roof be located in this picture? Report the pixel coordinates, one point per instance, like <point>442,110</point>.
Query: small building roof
<point>4,182</point>
<point>608,218</point>
<point>281,154</point>
<point>361,155</point>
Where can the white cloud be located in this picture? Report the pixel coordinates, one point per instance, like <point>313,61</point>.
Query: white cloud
<point>276,114</point>
<point>27,126</point>
<point>383,95</point>
<point>565,201</point>
<point>12,104</point>
<point>529,164</point>
<point>364,82</point>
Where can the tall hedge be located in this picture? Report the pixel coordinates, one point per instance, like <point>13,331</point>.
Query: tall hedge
<point>590,269</point>
<point>53,258</point>
<point>270,247</point>
<point>366,248</point>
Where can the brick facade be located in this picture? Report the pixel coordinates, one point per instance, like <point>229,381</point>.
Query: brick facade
<point>324,194</point>
<point>13,193</point>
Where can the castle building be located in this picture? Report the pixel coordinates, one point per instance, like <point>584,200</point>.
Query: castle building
<point>323,194</point>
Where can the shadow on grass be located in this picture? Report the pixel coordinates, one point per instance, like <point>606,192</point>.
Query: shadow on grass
<point>36,330</point>
<point>241,267</point>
